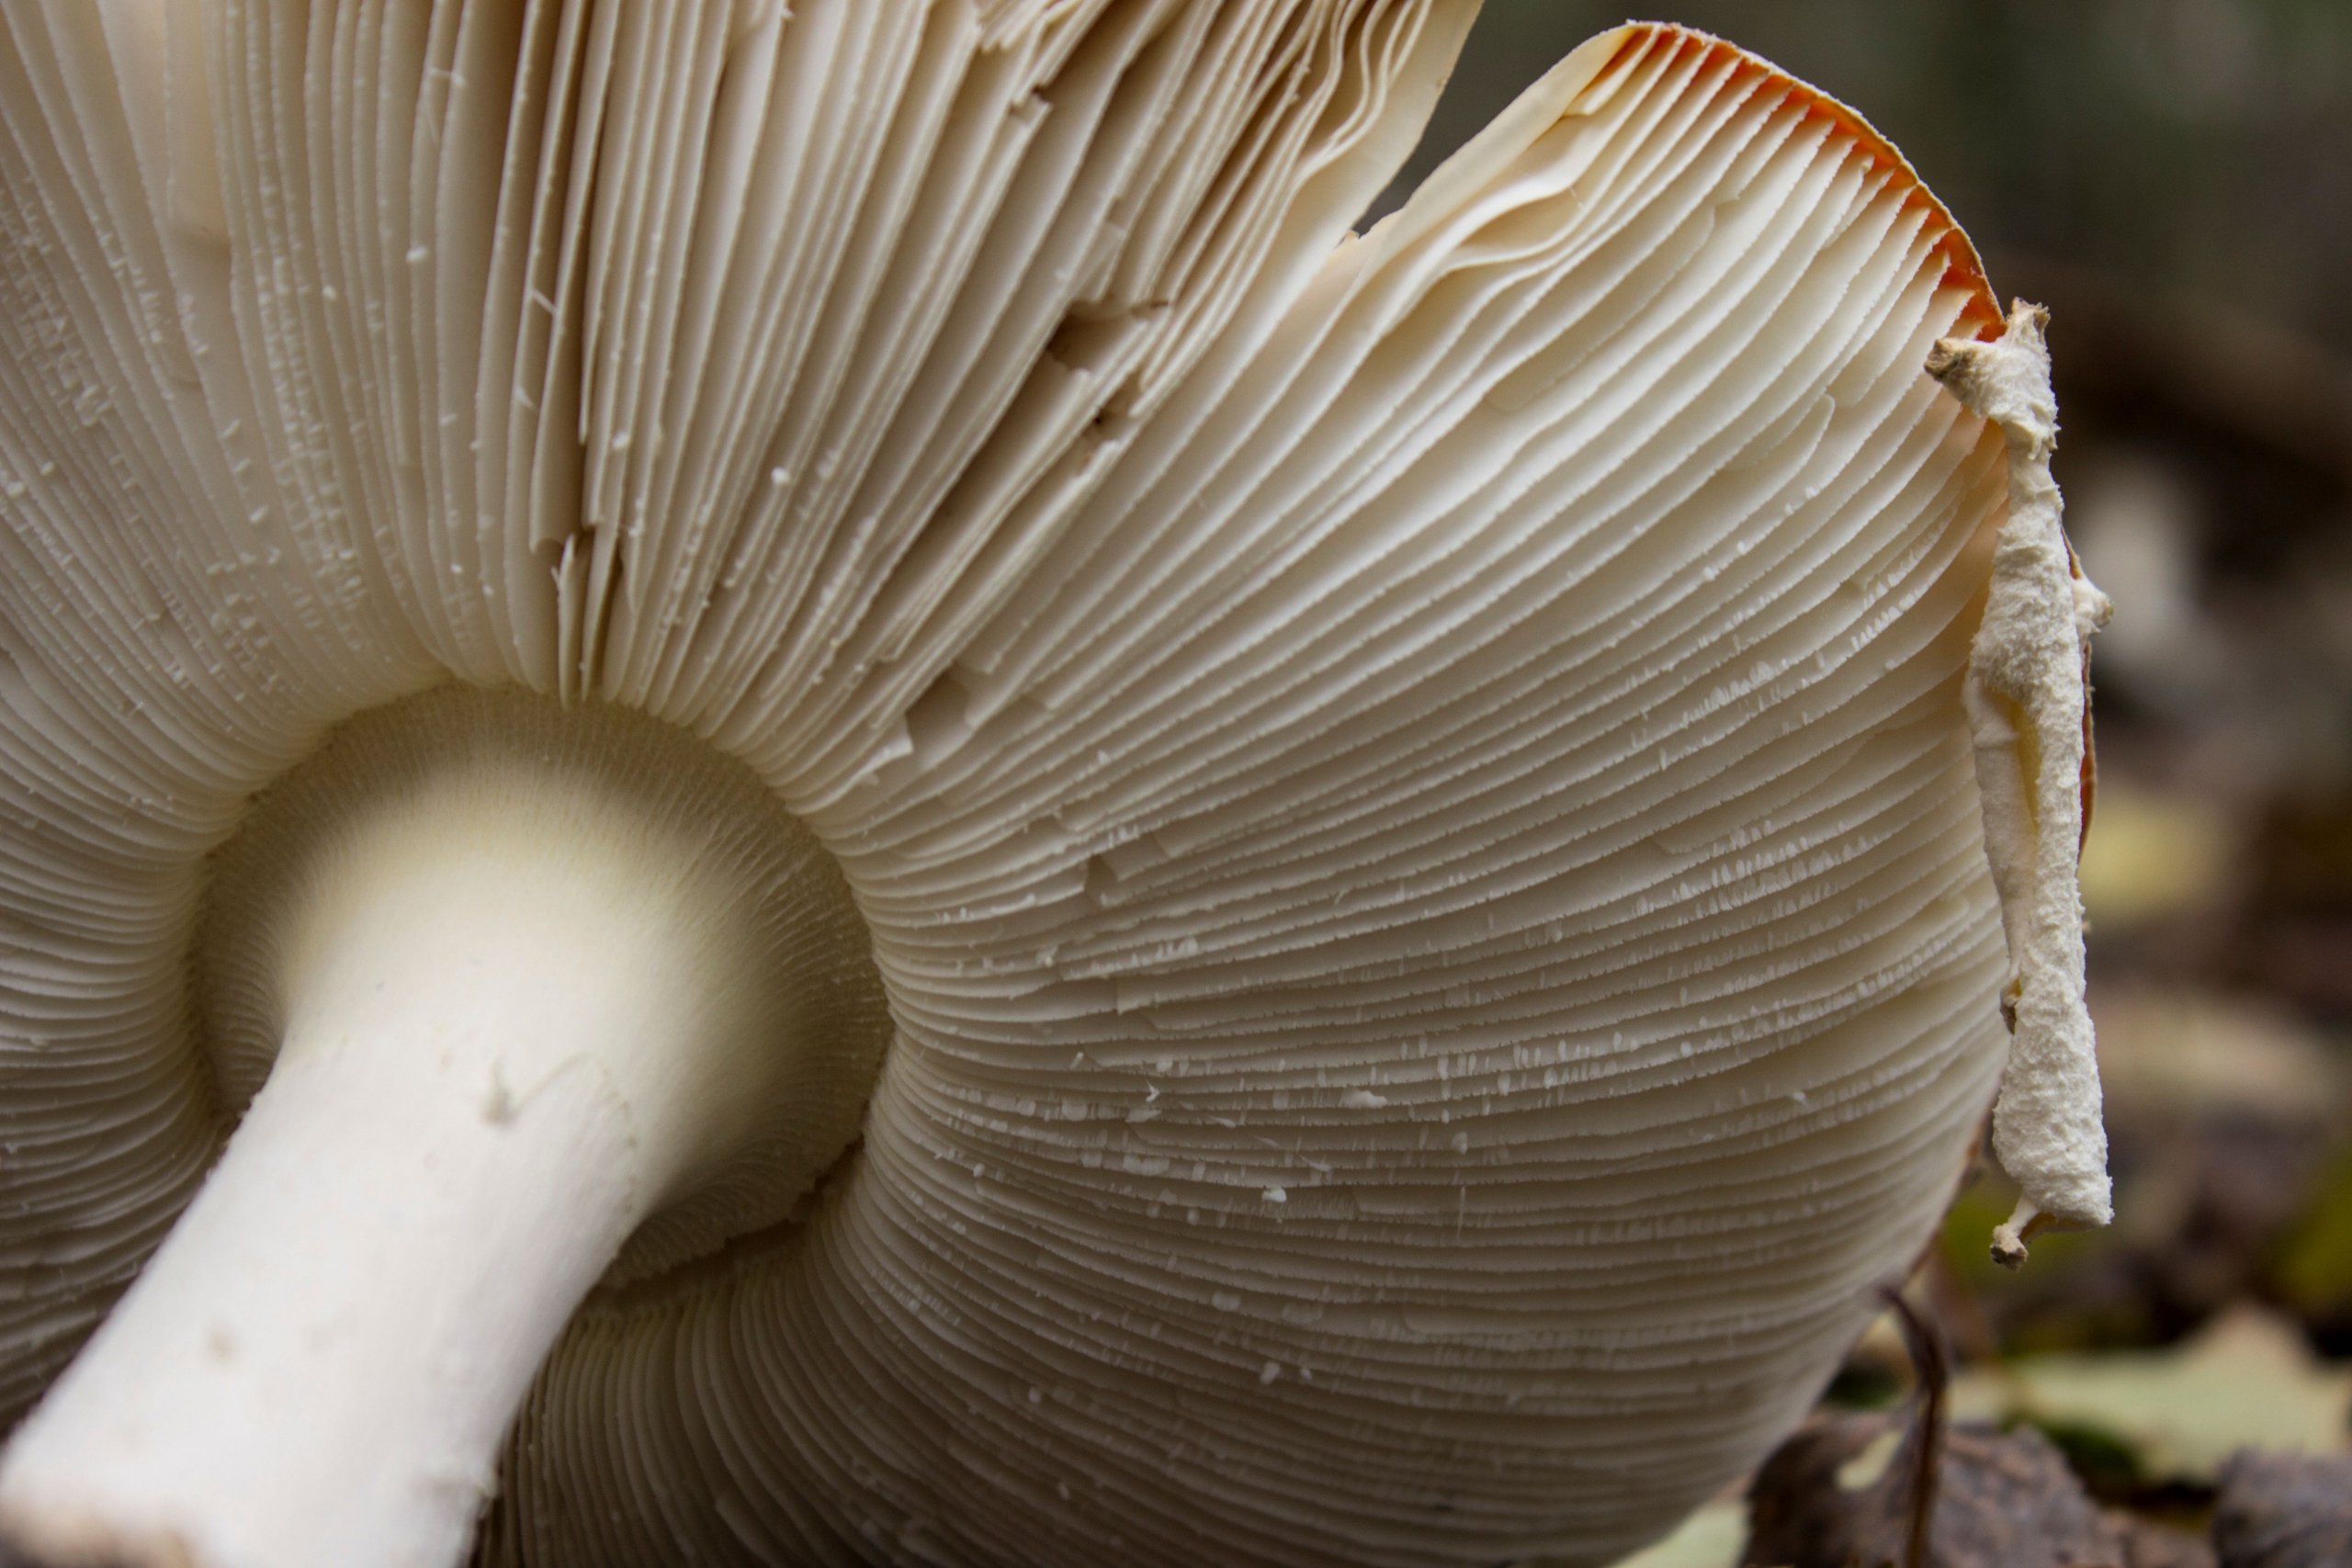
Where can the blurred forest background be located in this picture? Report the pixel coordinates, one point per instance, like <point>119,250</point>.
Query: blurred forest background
<point>2174,179</point>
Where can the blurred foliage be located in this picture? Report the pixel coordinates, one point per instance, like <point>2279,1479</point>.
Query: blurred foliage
<point>2149,1416</point>
<point>2314,1270</point>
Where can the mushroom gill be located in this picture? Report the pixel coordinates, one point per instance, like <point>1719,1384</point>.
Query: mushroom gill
<point>1207,890</point>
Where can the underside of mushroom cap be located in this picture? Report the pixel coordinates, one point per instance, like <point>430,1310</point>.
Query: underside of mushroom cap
<point>1410,793</point>
<point>504,785</point>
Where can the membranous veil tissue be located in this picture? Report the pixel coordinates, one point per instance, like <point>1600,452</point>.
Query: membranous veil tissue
<point>2029,705</point>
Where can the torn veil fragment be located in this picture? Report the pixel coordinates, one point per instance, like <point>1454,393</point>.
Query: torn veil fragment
<point>2029,705</point>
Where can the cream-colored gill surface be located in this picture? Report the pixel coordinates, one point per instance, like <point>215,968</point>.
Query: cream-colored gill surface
<point>1185,171</point>
<point>154,662</point>
<point>724,361</point>
<point>1441,950</point>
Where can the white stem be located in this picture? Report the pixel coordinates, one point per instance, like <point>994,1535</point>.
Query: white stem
<point>512,1028</point>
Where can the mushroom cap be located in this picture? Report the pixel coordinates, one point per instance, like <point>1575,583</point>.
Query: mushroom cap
<point>1408,790</point>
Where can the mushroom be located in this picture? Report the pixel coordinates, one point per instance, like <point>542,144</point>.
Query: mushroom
<point>905,821</point>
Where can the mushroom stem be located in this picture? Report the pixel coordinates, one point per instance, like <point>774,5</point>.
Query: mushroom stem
<point>318,1365</point>
<point>517,1018</point>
